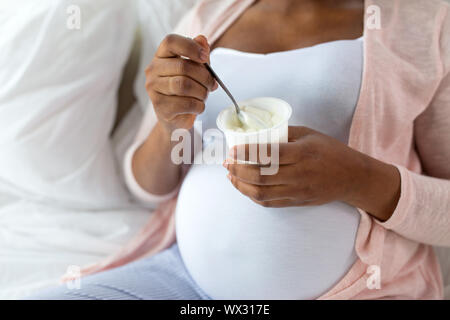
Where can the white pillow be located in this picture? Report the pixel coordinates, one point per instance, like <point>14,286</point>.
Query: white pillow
<point>157,18</point>
<point>58,99</point>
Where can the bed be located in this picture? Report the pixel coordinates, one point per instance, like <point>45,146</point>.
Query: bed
<point>56,213</point>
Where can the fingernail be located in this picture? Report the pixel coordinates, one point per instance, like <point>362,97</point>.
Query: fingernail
<point>203,55</point>
<point>229,176</point>
<point>225,164</point>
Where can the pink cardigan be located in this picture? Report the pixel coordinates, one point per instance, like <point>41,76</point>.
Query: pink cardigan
<point>402,117</point>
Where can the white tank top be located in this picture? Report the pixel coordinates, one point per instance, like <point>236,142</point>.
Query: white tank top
<point>236,249</point>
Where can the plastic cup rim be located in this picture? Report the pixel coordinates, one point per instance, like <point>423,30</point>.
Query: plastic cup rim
<point>219,123</point>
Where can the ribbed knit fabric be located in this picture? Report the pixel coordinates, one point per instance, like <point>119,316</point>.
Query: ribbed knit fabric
<point>160,277</point>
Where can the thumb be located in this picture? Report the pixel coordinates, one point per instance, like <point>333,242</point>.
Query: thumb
<point>203,42</point>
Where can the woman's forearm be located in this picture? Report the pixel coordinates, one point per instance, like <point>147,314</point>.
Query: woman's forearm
<point>178,84</point>
<point>377,188</point>
<point>152,165</point>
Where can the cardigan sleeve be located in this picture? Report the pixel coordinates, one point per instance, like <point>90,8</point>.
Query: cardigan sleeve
<point>423,210</point>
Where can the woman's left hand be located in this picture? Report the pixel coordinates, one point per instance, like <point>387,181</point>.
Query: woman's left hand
<point>315,169</point>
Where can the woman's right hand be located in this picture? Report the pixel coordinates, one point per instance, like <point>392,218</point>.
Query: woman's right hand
<point>177,81</point>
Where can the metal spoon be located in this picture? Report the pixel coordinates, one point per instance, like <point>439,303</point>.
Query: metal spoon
<point>241,117</point>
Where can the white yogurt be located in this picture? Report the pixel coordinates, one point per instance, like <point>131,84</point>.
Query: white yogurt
<point>255,119</point>
<point>266,122</point>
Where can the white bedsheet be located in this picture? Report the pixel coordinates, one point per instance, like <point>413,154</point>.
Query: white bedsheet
<point>39,241</point>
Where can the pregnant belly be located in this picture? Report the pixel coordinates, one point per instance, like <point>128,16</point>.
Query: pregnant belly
<point>236,249</point>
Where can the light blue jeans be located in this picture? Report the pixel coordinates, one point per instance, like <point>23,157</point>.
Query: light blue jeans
<point>161,277</point>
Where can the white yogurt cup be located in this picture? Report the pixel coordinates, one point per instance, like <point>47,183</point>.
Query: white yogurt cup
<point>274,135</point>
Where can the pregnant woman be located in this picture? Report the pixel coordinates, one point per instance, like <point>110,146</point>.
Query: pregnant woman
<point>361,192</point>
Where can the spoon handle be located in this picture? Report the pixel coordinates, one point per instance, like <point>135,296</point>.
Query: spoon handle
<point>208,67</point>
